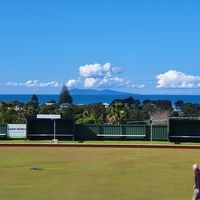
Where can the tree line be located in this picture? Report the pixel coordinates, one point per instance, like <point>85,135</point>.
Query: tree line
<point>120,111</point>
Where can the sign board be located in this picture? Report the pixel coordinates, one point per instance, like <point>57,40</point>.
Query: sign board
<point>16,130</point>
<point>48,116</point>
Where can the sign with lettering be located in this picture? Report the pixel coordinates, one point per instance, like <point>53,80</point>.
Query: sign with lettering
<point>48,116</point>
<point>16,130</point>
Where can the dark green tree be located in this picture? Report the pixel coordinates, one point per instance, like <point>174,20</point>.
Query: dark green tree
<point>49,109</point>
<point>34,100</point>
<point>179,103</point>
<point>9,116</point>
<point>190,110</point>
<point>30,109</point>
<point>131,102</point>
<point>116,101</point>
<point>65,96</point>
<point>98,109</point>
<point>89,118</point>
<point>163,105</point>
<point>146,101</point>
<point>136,114</point>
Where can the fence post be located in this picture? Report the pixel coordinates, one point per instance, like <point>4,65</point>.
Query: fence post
<point>168,129</point>
<point>74,131</point>
<point>151,127</point>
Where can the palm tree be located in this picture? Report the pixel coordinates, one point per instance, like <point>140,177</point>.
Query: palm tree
<point>116,113</point>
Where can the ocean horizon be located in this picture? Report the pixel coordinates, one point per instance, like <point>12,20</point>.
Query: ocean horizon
<point>88,99</point>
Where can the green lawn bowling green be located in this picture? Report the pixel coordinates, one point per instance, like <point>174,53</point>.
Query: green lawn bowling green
<point>96,174</point>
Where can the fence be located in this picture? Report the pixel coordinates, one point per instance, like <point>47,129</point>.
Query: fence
<point>43,129</point>
<point>184,129</point>
<point>160,132</point>
<point>177,130</point>
<point>134,132</point>
<point>48,129</point>
<point>3,130</point>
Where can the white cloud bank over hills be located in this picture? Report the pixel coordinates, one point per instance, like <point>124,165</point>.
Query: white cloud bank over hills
<point>176,79</point>
<point>99,76</point>
<point>90,76</point>
<point>71,83</point>
<point>90,82</point>
<point>107,76</point>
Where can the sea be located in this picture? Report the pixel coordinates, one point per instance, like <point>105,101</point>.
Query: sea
<point>89,99</point>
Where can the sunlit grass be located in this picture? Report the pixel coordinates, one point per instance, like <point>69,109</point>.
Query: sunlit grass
<point>96,173</point>
<point>19,141</point>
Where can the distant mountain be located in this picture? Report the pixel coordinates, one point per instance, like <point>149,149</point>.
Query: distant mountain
<point>96,92</point>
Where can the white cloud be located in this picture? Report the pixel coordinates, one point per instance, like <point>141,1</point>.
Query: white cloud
<point>90,76</point>
<point>90,82</point>
<point>98,70</point>
<point>71,83</point>
<point>117,70</point>
<point>35,83</point>
<point>12,84</point>
<point>90,70</point>
<point>98,75</point>
<point>175,79</point>
<point>141,86</point>
<point>111,81</point>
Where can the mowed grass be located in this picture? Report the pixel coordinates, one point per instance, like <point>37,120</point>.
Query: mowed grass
<point>23,141</point>
<point>96,174</point>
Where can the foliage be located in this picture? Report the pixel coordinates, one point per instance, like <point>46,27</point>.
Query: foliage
<point>34,101</point>
<point>30,109</point>
<point>163,105</point>
<point>190,110</point>
<point>131,103</point>
<point>136,114</point>
<point>98,109</point>
<point>157,110</point>
<point>179,104</point>
<point>49,109</point>
<point>11,113</point>
<point>72,111</point>
<point>120,111</point>
<point>116,113</point>
<point>65,96</point>
<point>89,118</point>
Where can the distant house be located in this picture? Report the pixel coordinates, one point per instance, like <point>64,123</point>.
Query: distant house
<point>17,108</point>
<point>50,104</point>
<point>177,109</point>
<point>65,105</point>
<point>106,105</point>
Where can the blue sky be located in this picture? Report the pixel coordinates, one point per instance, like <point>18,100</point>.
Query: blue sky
<point>147,47</point>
